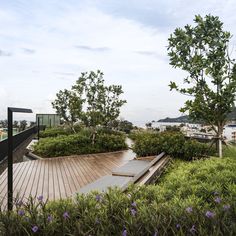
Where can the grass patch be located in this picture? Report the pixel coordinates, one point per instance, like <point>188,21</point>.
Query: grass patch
<point>229,151</point>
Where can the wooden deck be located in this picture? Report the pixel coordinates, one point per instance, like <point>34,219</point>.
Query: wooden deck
<point>61,177</point>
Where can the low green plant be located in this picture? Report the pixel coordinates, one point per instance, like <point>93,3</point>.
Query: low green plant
<point>54,132</point>
<point>81,143</point>
<point>172,143</point>
<point>192,198</point>
<point>229,151</point>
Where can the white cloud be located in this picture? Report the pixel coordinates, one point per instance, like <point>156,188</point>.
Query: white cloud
<point>135,54</point>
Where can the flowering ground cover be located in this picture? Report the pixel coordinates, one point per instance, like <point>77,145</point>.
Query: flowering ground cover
<point>192,198</point>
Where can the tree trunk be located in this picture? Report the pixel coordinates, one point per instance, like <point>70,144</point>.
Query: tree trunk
<point>220,136</point>
<point>220,147</point>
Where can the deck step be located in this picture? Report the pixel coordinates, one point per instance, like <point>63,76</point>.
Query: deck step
<point>131,168</point>
<point>105,182</point>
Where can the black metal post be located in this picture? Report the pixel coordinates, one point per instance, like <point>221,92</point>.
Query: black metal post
<point>38,127</point>
<point>50,123</point>
<point>10,161</point>
<point>10,111</point>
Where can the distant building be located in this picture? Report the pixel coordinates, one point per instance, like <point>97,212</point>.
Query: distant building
<point>230,132</point>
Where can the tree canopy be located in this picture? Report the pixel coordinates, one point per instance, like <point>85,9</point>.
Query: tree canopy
<point>202,51</point>
<point>90,101</point>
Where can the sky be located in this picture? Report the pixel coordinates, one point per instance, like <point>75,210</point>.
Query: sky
<point>46,44</point>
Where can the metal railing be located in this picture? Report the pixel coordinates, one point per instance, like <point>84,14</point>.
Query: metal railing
<point>17,140</point>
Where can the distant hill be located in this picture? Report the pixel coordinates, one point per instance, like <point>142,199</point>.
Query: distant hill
<point>186,119</point>
<point>181,119</point>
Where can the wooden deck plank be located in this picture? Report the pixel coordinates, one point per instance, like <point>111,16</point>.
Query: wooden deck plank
<point>66,182</point>
<point>50,181</point>
<point>70,175</point>
<point>84,175</point>
<point>61,177</point>
<point>34,190</point>
<point>60,180</point>
<point>28,180</point>
<point>41,180</point>
<point>45,185</point>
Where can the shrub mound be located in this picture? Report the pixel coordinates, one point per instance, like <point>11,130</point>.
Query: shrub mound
<point>80,143</point>
<point>172,143</point>
<point>54,132</point>
<point>193,198</point>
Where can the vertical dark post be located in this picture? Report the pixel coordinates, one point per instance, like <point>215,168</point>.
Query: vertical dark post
<point>10,162</point>
<point>50,123</point>
<point>38,127</point>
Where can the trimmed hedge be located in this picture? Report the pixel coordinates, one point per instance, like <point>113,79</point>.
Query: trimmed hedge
<point>193,198</point>
<point>172,143</point>
<point>77,144</point>
<point>54,132</point>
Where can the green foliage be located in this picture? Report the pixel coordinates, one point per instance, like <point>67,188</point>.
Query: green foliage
<point>202,51</point>
<point>54,132</point>
<point>193,198</point>
<point>172,143</point>
<point>81,143</point>
<point>103,102</point>
<point>89,101</point>
<point>68,105</point>
<point>229,151</point>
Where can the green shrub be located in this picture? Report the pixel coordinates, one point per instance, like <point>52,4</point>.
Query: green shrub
<point>172,143</point>
<point>77,144</point>
<point>54,132</point>
<point>193,198</point>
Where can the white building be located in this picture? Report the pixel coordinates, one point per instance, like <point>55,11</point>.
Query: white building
<point>230,132</point>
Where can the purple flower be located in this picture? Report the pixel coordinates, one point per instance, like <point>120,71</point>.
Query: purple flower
<point>192,230</point>
<point>50,218</point>
<point>133,212</point>
<point>210,214</point>
<point>98,198</point>
<point>21,212</point>
<point>226,207</point>
<point>124,233</point>
<point>189,209</point>
<point>35,228</point>
<point>19,203</point>
<point>134,204</point>
<point>66,215</point>
<point>215,193</point>
<point>40,198</point>
<point>97,221</point>
<point>178,226</point>
<point>217,199</point>
<point>155,234</point>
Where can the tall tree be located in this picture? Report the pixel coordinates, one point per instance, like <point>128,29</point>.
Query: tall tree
<point>15,124</point>
<point>22,125</point>
<point>68,104</point>
<point>3,123</point>
<point>103,102</point>
<point>202,51</point>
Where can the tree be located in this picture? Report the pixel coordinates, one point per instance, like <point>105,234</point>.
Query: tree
<point>202,51</point>
<point>15,124</point>
<point>125,126</point>
<point>90,101</point>
<point>103,102</point>
<point>23,125</point>
<point>68,105</point>
<point>32,123</point>
<point>148,125</point>
<point>3,123</point>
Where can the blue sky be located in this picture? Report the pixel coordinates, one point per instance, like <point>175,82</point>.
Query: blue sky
<point>45,45</point>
